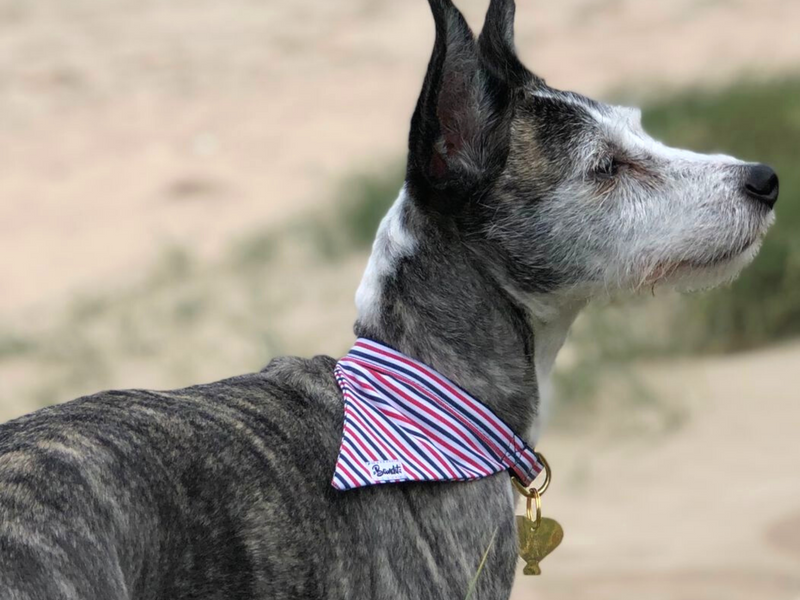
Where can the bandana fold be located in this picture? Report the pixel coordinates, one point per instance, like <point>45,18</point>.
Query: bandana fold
<point>403,421</point>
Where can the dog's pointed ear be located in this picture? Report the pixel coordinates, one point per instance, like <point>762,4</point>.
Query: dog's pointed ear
<point>459,132</point>
<point>496,46</point>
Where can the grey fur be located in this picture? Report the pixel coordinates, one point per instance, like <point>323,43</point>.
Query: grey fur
<point>222,491</point>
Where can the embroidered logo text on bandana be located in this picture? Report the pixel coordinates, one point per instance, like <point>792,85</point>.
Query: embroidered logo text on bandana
<point>403,421</point>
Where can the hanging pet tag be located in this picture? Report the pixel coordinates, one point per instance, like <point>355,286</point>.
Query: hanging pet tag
<point>537,537</point>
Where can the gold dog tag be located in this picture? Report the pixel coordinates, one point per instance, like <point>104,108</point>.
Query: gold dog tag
<point>537,541</point>
<point>537,537</point>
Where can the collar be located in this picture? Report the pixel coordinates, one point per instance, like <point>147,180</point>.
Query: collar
<point>403,421</point>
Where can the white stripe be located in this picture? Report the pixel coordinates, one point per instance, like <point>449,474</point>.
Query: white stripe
<point>485,418</point>
<point>420,462</point>
<point>452,421</point>
<point>476,456</point>
<point>411,428</point>
<point>472,425</point>
<point>401,454</point>
<point>423,371</point>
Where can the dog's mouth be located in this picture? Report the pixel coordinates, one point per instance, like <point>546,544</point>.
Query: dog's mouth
<point>671,270</point>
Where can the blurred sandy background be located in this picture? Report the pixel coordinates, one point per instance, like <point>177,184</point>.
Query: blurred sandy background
<point>172,181</point>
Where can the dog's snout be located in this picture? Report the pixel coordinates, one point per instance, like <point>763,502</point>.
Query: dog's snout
<point>761,183</point>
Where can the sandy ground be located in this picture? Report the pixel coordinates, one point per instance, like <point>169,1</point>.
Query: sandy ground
<point>710,511</point>
<point>127,125</point>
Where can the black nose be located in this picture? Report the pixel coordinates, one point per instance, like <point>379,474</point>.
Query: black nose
<point>761,183</point>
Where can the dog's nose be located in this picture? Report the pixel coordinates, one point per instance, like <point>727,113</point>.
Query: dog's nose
<point>761,184</point>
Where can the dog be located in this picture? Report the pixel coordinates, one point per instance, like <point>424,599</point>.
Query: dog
<point>521,204</point>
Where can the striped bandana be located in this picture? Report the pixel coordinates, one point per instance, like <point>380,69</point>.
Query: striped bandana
<point>403,421</point>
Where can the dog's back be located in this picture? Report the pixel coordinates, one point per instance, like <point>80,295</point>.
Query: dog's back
<point>168,494</point>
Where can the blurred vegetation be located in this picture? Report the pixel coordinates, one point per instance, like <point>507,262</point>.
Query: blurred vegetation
<point>761,123</point>
<point>187,321</point>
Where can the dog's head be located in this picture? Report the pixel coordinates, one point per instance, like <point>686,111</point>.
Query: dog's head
<point>556,191</point>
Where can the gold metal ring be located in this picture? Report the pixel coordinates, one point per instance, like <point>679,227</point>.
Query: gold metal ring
<point>535,497</point>
<point>529,492</point>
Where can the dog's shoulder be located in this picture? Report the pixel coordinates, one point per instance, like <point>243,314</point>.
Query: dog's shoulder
<point>312,376</point>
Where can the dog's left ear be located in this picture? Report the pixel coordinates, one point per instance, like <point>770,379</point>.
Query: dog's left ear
<point>496,47</point>
<point>459,131</point>
<point>461,126</point>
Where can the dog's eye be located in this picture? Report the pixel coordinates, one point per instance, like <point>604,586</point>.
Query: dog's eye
<point>607,168</point>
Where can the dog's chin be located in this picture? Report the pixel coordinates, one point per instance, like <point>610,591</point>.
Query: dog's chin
<point>698,275</point>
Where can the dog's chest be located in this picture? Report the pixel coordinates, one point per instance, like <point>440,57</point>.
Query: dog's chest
<point>423,541</point>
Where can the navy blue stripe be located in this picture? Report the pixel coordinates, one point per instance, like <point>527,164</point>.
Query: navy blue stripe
<point>452,461</point>
<point>353,446</point>
<point>413,461</point>
<point>477,456</point>
<point>422,417</point>
<point>459,444</point>
<point>402,369</point>
<point>356,472</point>
<point>342,481</point>
<point>402,434</point>
<point>366,439</point>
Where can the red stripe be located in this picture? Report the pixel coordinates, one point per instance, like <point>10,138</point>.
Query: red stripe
<point>454,414</point>
<point>402,446</point>
<point>356,461</point>
<point>355,437</point>
<point>375,369</point>
<point>422,369</point>
<point>443,460</point>
<point>526,453</point>
<point>346,472</point>
<point>390,453</point>
<point>362,445</point>
<point>443,403</point>
<point>467,425</point>
<point>438,440</point>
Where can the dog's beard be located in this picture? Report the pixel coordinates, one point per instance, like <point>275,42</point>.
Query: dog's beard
<point>689,275</point>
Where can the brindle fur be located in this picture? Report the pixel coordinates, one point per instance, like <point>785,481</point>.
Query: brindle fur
<point>222,491</point>
<point>505,228</point>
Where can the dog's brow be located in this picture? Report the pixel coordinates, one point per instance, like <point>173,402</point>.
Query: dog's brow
<point>595,109</point>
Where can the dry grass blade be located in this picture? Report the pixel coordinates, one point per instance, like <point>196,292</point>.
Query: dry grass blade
<point>473,584</point>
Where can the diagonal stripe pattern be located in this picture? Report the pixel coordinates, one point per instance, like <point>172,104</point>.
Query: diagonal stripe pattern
<point>403,421</point>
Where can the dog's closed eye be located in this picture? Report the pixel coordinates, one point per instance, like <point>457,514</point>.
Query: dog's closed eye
<point>607,168</point>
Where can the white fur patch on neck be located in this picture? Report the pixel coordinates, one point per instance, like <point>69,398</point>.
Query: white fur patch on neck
<point>392,243</point>
<point>552,318</point>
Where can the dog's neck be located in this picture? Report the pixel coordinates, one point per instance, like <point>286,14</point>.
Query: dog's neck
<point>425,294</point>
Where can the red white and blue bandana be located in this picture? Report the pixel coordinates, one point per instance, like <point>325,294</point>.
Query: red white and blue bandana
<point>403,421</point>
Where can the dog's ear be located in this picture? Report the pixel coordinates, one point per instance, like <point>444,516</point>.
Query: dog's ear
<point>496,47</point>
<point>460,129</point>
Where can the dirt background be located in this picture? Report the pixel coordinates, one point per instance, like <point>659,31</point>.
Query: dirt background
<point>129,126</point>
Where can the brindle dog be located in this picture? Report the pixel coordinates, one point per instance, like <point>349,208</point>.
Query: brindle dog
<point>521,203</point>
